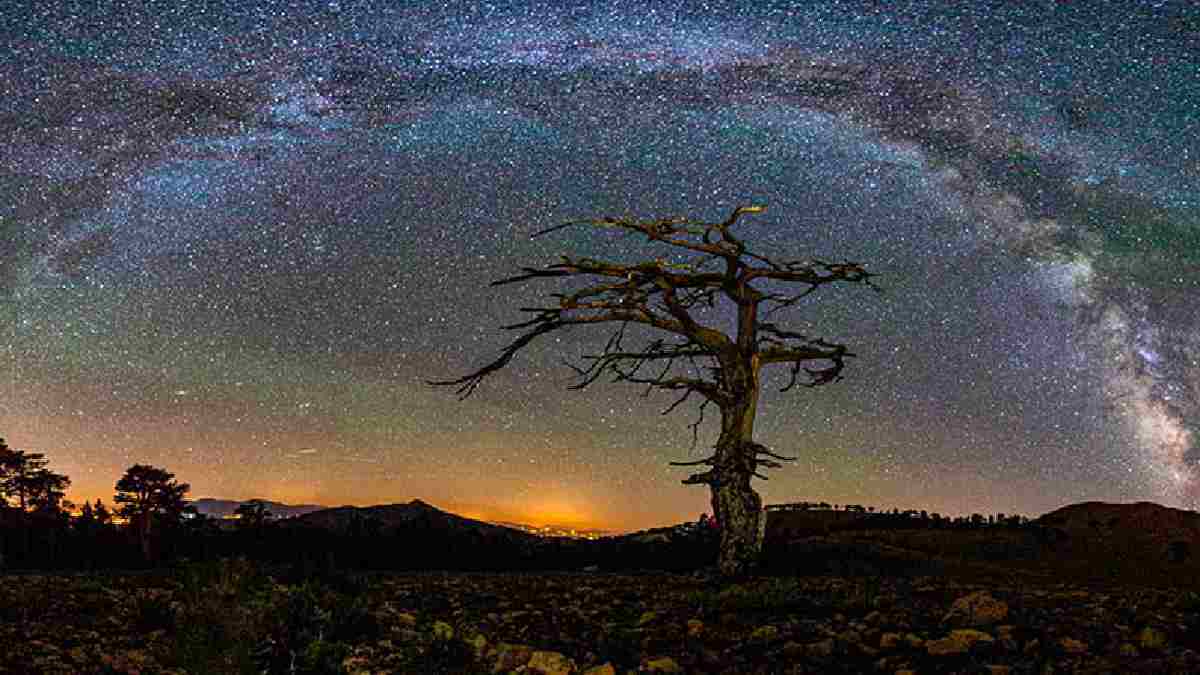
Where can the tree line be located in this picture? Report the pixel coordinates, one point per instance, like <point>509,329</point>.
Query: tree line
<point>914,517</point>
<point>151,524</point>
<point>39,527</point>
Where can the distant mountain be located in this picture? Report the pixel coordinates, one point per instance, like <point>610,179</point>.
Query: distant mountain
<point>219,508</point>
<point>557,530</point>
<point>1140,529</point>
<point>390,517</point>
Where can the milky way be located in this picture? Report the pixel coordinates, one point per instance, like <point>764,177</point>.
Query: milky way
<point>236,238</point>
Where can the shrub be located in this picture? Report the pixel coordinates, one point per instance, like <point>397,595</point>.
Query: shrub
<point>152,611</point>
<point>771,594</point>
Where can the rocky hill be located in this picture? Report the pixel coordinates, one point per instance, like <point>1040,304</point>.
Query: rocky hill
<point>1142,530</point>
<point>220,508</point>
<point>387,518</point>
<point>1085,541</point>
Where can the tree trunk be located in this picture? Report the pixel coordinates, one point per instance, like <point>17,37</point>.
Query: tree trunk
<point>736,505</point>
<point>143,531</point>
<point>739,514</point>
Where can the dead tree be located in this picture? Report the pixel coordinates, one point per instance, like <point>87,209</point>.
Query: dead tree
<point>711,277</point>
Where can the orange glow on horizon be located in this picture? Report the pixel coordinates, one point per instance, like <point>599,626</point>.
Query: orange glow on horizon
<point>547,506</point>
<point>536,515</point>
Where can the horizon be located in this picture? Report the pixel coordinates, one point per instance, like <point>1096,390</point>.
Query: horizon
<point>620,530</point>
<point>834,507</point>
<point>238,244</point>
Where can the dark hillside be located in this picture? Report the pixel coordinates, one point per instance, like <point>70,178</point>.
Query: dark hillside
<point>220,508</point>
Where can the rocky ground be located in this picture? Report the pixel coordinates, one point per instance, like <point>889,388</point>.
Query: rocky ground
<point>237,617</point>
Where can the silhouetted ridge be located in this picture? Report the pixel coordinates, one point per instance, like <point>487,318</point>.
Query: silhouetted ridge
<point>1138,531</point>
<point>389,517</point>
<point>220,508</point>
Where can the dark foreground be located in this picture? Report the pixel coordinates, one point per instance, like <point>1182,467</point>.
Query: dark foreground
<point>239,617</point>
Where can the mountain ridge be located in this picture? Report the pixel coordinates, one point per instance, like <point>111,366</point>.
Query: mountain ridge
<point>219,508</point>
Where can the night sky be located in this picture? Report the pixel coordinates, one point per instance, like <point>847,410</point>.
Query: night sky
<point>237,237</point>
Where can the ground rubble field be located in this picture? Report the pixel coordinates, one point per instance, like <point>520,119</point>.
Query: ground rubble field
<point>235,617</point>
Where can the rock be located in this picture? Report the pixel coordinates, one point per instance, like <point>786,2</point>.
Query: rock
<point>663,664</point>
<point>1151,638</point>
<point>605,669</point>
<point>549,663</point>
<point>509,657</point>
<point>408,635</point>
<point>478,644</point>
<point>764,634</point>
<point>443,631</point>
<point>1073,646</point>
<point>977,609</point>
<point>822,649</point>
<point>792,650</point>
<point>958,642</point>
<point>946,647</point>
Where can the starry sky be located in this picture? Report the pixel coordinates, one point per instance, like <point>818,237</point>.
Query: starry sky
<point>236,237</point>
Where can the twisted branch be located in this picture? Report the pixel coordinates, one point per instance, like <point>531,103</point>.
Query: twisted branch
<point>709,266</point>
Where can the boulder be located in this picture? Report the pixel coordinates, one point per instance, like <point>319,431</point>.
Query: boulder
<point>958,642</point>
<point>549,663</point>
<point>663,664</point>
<point>1151,638</point>
<point>764,634</point>
<point>1073,646</point>
<point>822,649</point>
<point>977,609</point>
<point>443,631</point>
<point>508,657</point>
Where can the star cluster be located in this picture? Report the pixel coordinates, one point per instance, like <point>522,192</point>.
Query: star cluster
<point>237,237</point>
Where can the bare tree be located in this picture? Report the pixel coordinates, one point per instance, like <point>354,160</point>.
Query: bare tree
<point>710,277</point>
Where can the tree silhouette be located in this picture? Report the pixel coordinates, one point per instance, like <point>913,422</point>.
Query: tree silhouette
<point>25,479</point>
<point>711,277</point>
<point>86,522</point>
<point>44,490</point>
<point>150,497</point>
<point>102,514</point>
<point>253,515</point>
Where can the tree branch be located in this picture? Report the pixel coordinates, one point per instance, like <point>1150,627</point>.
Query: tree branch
<point>661,294</point>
